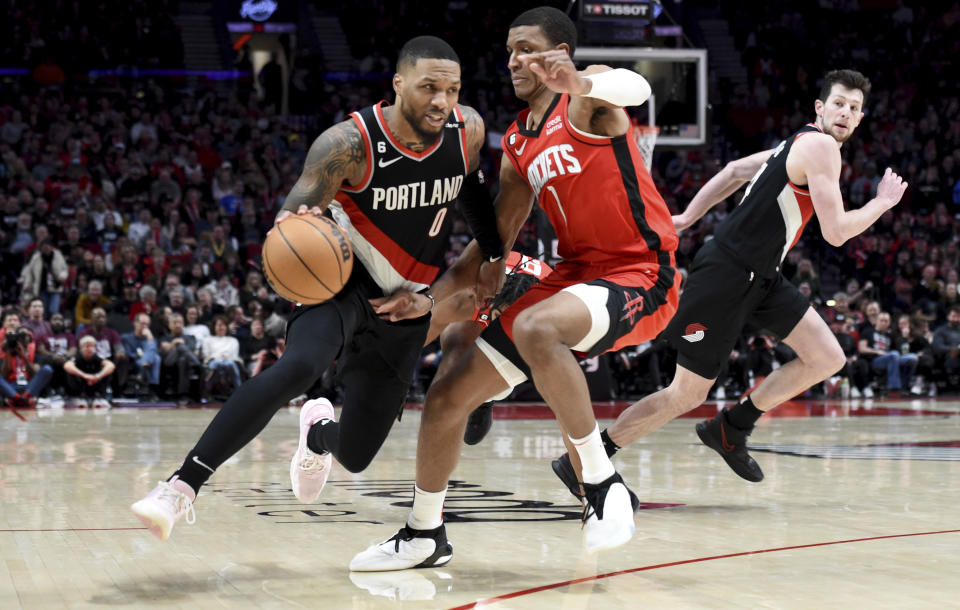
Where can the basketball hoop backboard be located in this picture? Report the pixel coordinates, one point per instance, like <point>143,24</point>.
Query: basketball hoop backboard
<point>678,77</point>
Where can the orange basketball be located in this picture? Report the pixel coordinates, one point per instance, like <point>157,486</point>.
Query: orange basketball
<point>307,259</point>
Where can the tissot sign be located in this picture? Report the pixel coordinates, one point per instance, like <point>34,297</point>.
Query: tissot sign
<point>616,10</point>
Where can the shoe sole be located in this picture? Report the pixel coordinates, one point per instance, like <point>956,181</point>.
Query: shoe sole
<point>150,520</point>
<point>710,441</point>
<point>618,539</point>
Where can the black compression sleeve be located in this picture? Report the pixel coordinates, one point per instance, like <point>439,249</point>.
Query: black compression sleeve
<point>477,207</point>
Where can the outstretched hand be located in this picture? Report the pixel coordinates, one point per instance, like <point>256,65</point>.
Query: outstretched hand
<point>891,188</point>
<point>401,305</point>
<point>556,70</point>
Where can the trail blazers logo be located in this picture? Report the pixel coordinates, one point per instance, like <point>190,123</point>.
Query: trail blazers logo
<point>694,332</point>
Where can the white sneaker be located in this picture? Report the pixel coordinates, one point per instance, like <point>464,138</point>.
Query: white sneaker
<point>917,388</point>
<point>868,392</point>
<point>309,470</point>
<point>607,516</point>
<point>408,548</point>
<point>100,403</point>
<point>721,393</point>
<point>164,506</point>
<point>77,402</point>
<point>854,392</point>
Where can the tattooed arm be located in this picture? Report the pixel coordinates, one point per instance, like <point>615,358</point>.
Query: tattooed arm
<point>476,135</point>
<point>337,155</point>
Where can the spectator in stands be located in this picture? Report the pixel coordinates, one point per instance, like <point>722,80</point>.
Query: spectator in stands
<point>142,349</point>
<point>259,350</point>
<point>846,337</point>
<point>88,302</point>
<point>194,326</point>
<point>139,230</point>
<point>109,347</point>
<point>147,303</point>
<point>181,358</point>
<point>55,348</point>
<point>876,345</point>
<point>88,376</point>
<point>806,273</point>
<point>223,292</point>
<point>221,352</point>
<point>44,275</point>
<point>946,343</point>
<point>34,320</point>
<point>22,234</point>
<point>903,342</point>
<point>22,379</point>
<point>947,299</point>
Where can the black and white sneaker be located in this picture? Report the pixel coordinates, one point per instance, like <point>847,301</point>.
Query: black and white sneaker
<point>408,548</point>
<point>479,424</point>
<point>731,443</point>
<point>607,515</point>
<point>563,468</point>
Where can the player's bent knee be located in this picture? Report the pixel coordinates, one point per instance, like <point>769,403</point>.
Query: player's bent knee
<point>354,463</point>
<point>530,331</point>
<point>834,361</point>
<point>686,396</point>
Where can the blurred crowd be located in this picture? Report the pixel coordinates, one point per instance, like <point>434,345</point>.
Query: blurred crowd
<point>132,215</point>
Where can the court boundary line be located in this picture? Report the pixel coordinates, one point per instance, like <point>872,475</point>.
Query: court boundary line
<point>75,529</point>
<point>566,583</point>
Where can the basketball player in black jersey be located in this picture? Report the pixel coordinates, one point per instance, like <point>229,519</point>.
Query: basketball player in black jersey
<point>388,175</point>
<point>735,279</point>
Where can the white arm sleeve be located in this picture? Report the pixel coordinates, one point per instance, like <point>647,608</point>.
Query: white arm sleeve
<point>620,87</point>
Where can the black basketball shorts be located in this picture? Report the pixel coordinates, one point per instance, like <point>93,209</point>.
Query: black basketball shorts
<point>722,297</point>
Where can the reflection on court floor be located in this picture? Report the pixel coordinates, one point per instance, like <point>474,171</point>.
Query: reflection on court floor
<point>858,509</point>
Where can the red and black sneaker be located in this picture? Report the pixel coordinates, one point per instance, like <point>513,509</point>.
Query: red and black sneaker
<point>731,443</point>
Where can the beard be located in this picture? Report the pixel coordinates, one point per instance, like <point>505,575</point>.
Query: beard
<point>416,122</point>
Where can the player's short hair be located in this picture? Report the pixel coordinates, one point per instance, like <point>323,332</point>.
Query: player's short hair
<point>554,23</point>
<point>424,47</point>
<point>851,79</point>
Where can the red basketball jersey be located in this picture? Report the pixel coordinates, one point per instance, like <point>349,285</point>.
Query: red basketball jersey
<point>609,218</point>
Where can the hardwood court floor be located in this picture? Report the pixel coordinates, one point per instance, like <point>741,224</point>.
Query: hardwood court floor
<point>859,510</point>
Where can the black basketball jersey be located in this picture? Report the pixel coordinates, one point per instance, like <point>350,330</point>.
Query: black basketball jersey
<point>771,216</point>
<point>398,217</point>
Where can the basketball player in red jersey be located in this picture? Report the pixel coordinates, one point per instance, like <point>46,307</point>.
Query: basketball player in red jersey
<point>735,278</point>
<point>388,174</point>
<point>616,285</point>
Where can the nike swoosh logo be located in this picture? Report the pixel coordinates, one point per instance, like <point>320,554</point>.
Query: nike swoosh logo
<point>383,163</point>
<point>723,440</point>
<point>196,461</point>
<point>519,151</point>
<point>694,337</point>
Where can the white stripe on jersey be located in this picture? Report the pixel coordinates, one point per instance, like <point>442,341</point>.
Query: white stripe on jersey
<point>792,217</point>
<point>380,269</point>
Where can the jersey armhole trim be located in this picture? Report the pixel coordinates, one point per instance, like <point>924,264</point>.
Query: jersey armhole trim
<point>368,143</point>
<point>464,146</point>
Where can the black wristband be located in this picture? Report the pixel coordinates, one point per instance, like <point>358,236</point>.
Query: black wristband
<point>477,207</point>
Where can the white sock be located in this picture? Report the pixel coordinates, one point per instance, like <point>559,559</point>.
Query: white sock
<point>597,467</point>
<point>427,511</point>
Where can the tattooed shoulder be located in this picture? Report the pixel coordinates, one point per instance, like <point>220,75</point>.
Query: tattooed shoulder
<point>476,134</point>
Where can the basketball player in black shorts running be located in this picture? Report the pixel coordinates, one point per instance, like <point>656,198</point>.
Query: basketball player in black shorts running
<point>735,279</point>
<point>388,174</point>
